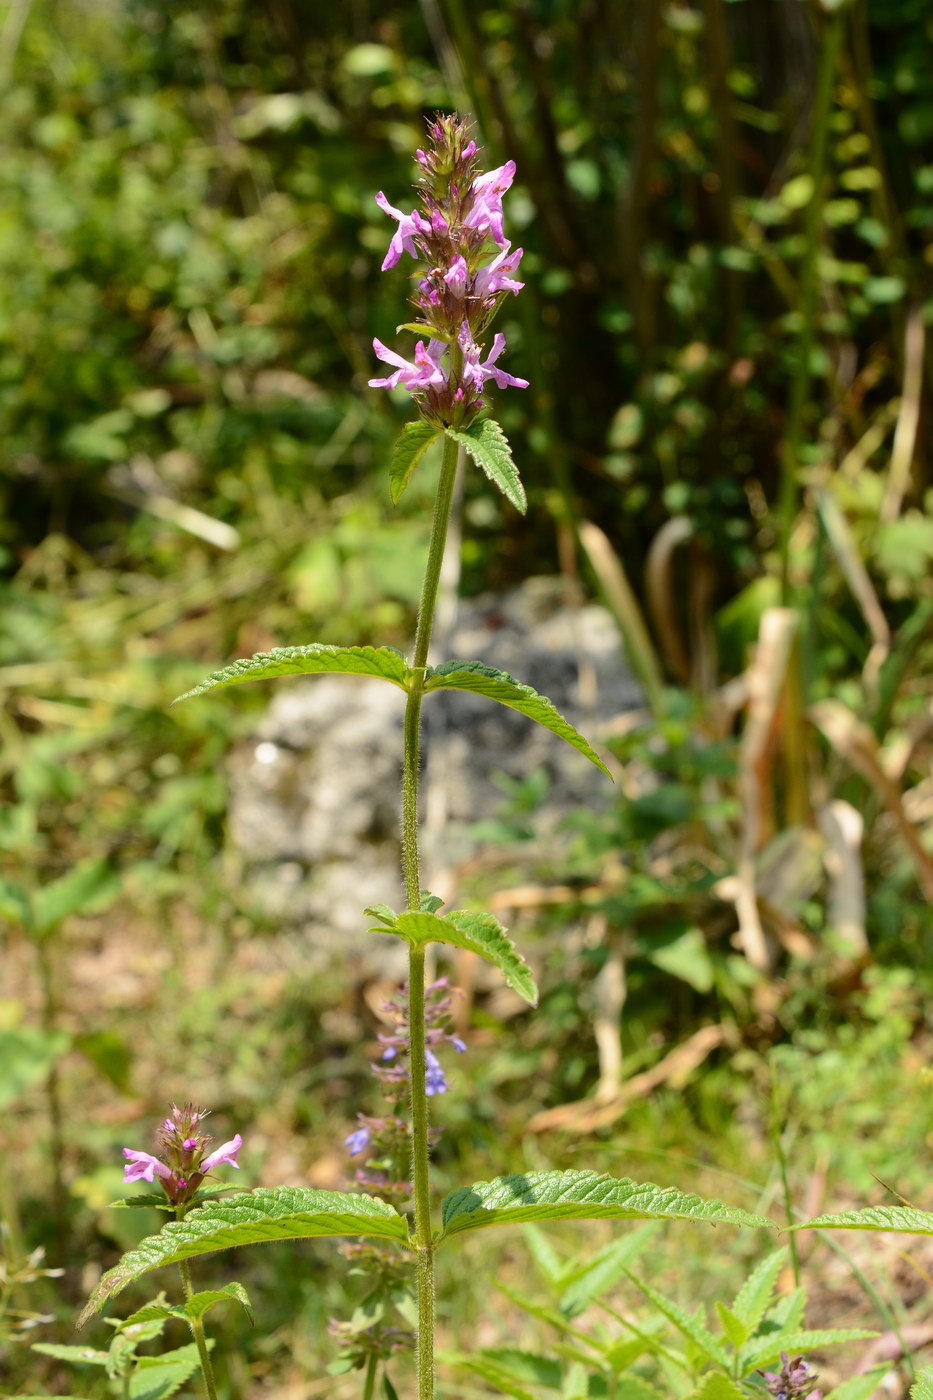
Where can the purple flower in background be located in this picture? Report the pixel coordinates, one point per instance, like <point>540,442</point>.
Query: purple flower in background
<point>795,1380</point>
<point>357,1141</point>
<point>404,235</point>
<point>435,1081</point>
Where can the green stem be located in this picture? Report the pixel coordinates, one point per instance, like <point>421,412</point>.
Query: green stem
<point>369,1385</point>
<point>197,1328</point>
<point>424,1246</point>
<point>809,285</point>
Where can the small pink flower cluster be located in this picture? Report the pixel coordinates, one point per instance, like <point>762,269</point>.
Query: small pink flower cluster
<point>185,1160</point>
<point>470,271</point>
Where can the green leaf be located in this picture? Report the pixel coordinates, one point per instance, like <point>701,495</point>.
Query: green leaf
<point>275,1213</point>
<point>634,1388</point>
<point>864,1387</point>
<point>315,660</point>
<point>415,437</point>
<point>922,1388</point>
<point>686,1323</point>
<point>545,1256</point>
<point>482,1365</point>
<point>479,679</point>
<point>430,903</point>
<point>489,447</point>
<point>901,1219</point>
<point>579,1195</point>
<point>765,1351</point>
<point>157,1377</point>
<point>605,1268</point>
<point>84,1356</point>
<point>716,1386</point>
<point>735,1331</point>
<point>26,1056</point>
<point>477,933</point>
<point>87,887</point>
<point>196,1306</point>
<point>109,1054</point>
<point>752,1299</point>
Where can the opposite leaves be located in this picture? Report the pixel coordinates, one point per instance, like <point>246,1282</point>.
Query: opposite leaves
<point>489,447</point>
<point>277,1213</point>
<point>581,1195</point>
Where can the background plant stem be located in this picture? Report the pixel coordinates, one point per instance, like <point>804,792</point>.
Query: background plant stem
<point>419,1101</point>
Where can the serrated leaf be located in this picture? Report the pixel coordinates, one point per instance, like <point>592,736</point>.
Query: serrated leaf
<point>274,1213</point>
<point>479,679</point>
<point>384,913</point>
<point>734,1330</point>
<point>863,1387</point>
<point>686,1323</point>
<point>514,1367</point>
<point>579,1195</point>
<point>158,1377</point>
<point>196,1306</point>
<point>317,659</point>
<point>550,1264</point>
<point>84,1356</point>
<point>716,1386</point>
<point>752,1299</point>
<point>489,447</point>
<point>413,440</point>
<point>900,1219</point>
<point>634,1388</point>
<point>922,1388</point>
<point>477,933</point>
<point>430,903</point>
<point>765,1351</point>
<point>605,1269</point>
<point>478,1365</point>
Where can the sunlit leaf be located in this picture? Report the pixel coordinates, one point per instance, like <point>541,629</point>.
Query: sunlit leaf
<point>319,658</point>
<point>479,679</point>
<point>413,440</point>
<point>276,1213</point>
<point>489,447</point>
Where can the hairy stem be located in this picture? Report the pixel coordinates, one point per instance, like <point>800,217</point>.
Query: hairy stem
<point>419,1101</point>
<point>197,1329</point>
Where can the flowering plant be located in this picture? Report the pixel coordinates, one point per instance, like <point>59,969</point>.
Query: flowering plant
<point>468,269</point>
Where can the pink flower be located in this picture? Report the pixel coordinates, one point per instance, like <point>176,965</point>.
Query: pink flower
<point>488,189</point>
<point>476,372</point>
<point>497,275</point>
<point>425,370</point>
<point>456,276</point>
<point>225,1153</point>
<point>141,1166</point>
<point>404,235</point>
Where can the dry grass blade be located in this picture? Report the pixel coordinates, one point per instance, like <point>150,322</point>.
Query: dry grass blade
<point>856,576</point>
<point>856,743</point>
<point>766,677</point>
<point>842,828</point>
<point>675,1068</point>
<point>660,593</point>
<point>623,604</point>
<point>905,434</point>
